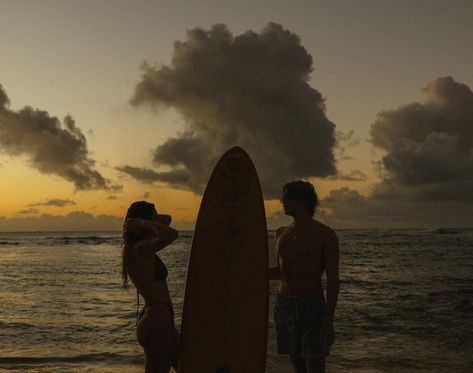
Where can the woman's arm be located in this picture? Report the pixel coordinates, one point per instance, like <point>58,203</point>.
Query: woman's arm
<point>162,234</point>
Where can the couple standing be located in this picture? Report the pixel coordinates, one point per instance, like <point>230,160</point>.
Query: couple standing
<point>305,250</point>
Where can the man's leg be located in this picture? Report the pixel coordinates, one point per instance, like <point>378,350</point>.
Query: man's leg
<point>312,305</point>
<point>299,364</point>
<point>315,365</point>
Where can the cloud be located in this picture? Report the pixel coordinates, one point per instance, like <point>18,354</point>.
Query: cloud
<point>249,90</point>
<point>147,175</point>
<point>54,202</point>
<point>427,168</point>
<point>74,221</point>
<point>29,211</point>
<point>347,208</point>
<point>278,219</point>
<point>344,141</point>
<point>52,147</point>
<point>429,146</point>
<point>354,175</point>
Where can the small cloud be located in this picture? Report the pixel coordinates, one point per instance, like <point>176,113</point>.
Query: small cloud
<point>29,211</point>
<point>147,175</point>
<point>57,202</point>
<point>344,141</point>
<point>355,175</point>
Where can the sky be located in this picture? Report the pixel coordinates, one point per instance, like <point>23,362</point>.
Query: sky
<point>106,102</point>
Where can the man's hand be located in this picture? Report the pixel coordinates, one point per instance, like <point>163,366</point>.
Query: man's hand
<point>327,333</point>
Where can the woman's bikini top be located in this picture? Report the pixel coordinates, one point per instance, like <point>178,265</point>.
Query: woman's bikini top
<point>160,270</point>
<point>156,292</point>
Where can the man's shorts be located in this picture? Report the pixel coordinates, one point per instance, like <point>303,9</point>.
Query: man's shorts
<point>298,321</point>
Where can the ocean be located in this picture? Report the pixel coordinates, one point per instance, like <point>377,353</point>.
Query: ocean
<point>405,304</point>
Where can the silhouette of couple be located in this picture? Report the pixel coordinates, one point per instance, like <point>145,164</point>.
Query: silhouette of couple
<point>303,318</point>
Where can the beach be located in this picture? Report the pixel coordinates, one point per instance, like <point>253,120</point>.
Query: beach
<point>405,302</point>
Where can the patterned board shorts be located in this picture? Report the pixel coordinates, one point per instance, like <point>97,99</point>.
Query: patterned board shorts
<point>298,321</point>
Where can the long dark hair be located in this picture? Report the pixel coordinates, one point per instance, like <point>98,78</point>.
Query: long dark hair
<point>141,210</point>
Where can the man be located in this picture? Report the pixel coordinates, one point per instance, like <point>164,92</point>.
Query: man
<point>305,250</point>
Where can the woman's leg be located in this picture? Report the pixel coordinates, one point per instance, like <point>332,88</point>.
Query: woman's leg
<point>155,362</point>
<point>161,352</point>
<point>159,339</point>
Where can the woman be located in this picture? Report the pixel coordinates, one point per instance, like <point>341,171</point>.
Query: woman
<point>146,232</point>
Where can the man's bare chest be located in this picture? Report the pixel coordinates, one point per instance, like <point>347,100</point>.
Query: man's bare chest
<point>298,248</point>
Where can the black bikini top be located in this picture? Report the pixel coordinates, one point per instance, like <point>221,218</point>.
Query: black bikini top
<point>160,274</point>
<point>160,270</point>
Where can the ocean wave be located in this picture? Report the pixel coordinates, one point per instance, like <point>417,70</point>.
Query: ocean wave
<point>79,240</point>
<point>15,325</point>
<point>9,243</point>
<point>447,231</point>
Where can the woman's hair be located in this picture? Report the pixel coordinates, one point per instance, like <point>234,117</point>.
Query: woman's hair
<point>302,191</point>
<point>140,210</point>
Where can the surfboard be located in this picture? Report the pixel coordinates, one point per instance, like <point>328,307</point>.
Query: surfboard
<point>225,313</point>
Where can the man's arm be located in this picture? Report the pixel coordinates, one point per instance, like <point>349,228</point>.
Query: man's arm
<point>332,259</point>
<point>274,273</point>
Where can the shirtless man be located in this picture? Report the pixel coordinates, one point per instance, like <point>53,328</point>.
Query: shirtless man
<point>305,249</point>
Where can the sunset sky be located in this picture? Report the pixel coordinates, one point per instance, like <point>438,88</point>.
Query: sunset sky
<point>106,102</point>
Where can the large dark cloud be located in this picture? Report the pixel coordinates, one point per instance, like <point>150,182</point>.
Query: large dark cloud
<point>427,168</point>
<point>429,146</point>
<point>51,147</point>
<point>250,90</point>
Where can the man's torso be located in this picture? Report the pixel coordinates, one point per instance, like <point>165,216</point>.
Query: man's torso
<point>300,255</point>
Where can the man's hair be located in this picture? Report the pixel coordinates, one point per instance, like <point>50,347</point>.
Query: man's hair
<point>302,191</point>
